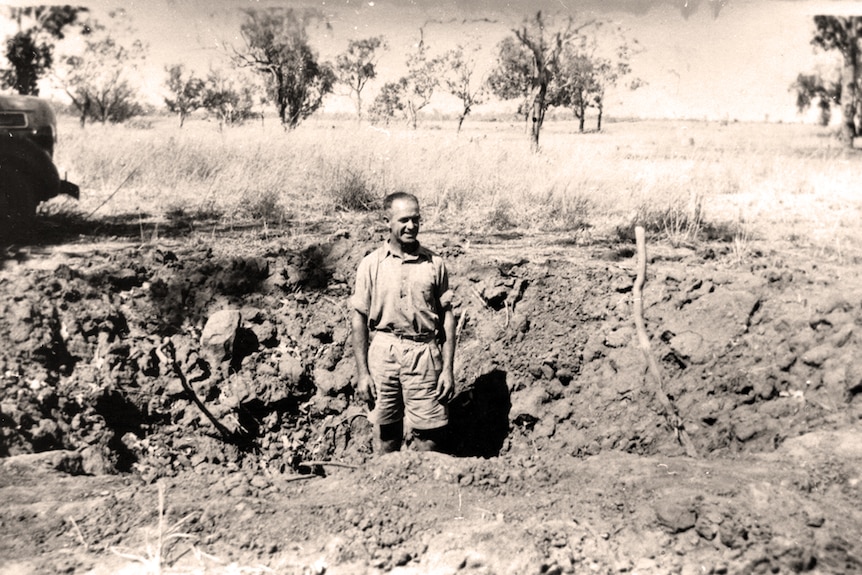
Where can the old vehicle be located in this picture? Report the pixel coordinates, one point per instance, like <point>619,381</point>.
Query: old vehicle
<point>28,176</point>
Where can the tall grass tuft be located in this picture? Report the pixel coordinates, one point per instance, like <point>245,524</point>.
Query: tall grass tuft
<point>353,191</point>
<point>163,550</point>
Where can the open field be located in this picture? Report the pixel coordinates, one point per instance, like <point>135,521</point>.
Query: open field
<point>563,456</point>
<point>786,183</point>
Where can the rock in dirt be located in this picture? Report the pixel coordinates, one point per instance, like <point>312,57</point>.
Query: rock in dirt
<point>60,460</point>
<point>729,313</point>
<point>675,515</point>
<point>527,404</point>
<point>219,334</point>
<point>290,369</point>
<point>97,460</point>
<point>853,379</point>
<point>817,356</point>
<point>333,382</point>
<point>689,345</point>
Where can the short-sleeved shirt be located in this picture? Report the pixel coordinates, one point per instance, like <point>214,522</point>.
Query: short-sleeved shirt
<point>403,295</point>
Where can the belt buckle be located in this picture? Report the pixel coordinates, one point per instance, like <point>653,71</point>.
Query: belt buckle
<point>413,338</point>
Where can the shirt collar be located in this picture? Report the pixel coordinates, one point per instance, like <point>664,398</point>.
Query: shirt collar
<point>421,253</point>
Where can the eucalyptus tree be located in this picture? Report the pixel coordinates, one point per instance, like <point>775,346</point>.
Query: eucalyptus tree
<point>186,92</point>
<point>422,79</point>
<point>543,49</point>
<point>412,92</point>
<point>511,78</point>
<point>576,84</point>
<point>389,102</point>
<point>460,78</point>
<point>230,102</point>
<point>843,34</point>
<point>99,78</point>
<point>357,65</point>
<point>586,70</point>
<point>30,51</point>
<point>815,89</point>
<point>277,45</point>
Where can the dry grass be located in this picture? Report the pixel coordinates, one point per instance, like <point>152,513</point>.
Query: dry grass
<point>161,551</point>
<point>683,181</point>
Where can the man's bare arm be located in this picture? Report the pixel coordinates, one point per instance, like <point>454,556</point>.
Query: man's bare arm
<point>446,381</point>
<point>364,386</point>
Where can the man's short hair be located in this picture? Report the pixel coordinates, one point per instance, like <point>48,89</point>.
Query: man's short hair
<point>391,198</point>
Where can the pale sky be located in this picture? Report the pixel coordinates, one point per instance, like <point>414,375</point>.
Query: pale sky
<point>736,65</point>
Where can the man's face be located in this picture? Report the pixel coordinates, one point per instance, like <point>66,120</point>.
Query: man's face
<point>403,220</point>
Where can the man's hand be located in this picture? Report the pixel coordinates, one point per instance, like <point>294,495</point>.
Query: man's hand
<point>365,389</point>
<point>445,386</point>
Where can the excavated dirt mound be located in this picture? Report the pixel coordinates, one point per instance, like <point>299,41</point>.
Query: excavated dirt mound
<point>223,376</point>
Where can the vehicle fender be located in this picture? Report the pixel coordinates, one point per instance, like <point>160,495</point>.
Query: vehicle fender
<point>24,157</point>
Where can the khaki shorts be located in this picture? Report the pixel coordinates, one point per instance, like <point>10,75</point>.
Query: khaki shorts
<point>405,377</point>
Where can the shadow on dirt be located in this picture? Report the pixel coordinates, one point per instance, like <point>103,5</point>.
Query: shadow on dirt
<point>63,228</point>
<point>479,417</point>
<point>54,229</point>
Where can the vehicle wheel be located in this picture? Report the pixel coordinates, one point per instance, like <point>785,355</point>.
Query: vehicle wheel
<point>17,206</point>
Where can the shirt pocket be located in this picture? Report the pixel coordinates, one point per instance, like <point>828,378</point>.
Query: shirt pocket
<point>422,288</point>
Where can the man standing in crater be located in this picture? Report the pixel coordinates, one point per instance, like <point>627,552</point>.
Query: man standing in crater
<point>404,333</point>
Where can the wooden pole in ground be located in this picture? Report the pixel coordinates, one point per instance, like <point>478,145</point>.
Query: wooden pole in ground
<point>653,367</point>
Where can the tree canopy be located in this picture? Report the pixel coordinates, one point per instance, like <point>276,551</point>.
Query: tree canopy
<point>277,46</point>
<point>413,91</point>
<point>186,92</point>
<point>228,103</point>
<point>534,47</point>
<point>99,79</point>
<point>459,76</point>
<point>586,70</point>
<point>30,51</point>
<point>814,89</point>
<point>512,76</point>
<point>357,65</point>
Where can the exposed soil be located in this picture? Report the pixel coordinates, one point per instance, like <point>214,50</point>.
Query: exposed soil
<point>563,458</point>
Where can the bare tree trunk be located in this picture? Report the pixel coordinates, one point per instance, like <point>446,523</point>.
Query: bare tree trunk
<point>412,112</point>
<point>463,116</point>
<point>599,120</point>
<point>538,118</point>
<point>281,100</point>
<point>849,96</point>
<point>859,108</point>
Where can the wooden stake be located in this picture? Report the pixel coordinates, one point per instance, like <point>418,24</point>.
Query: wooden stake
<point>653,367</point>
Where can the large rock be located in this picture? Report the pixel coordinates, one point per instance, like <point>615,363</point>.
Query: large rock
<point>706,327</point>
<point>339,380</point>
<point>675,515</point>
<point>689,345</point>
<point>290,369</point>
<point>528,404</point>
<point>219,335</point>
<point>61,460</point>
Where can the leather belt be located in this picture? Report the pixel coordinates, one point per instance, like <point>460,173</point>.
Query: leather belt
<point>423,338</point>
